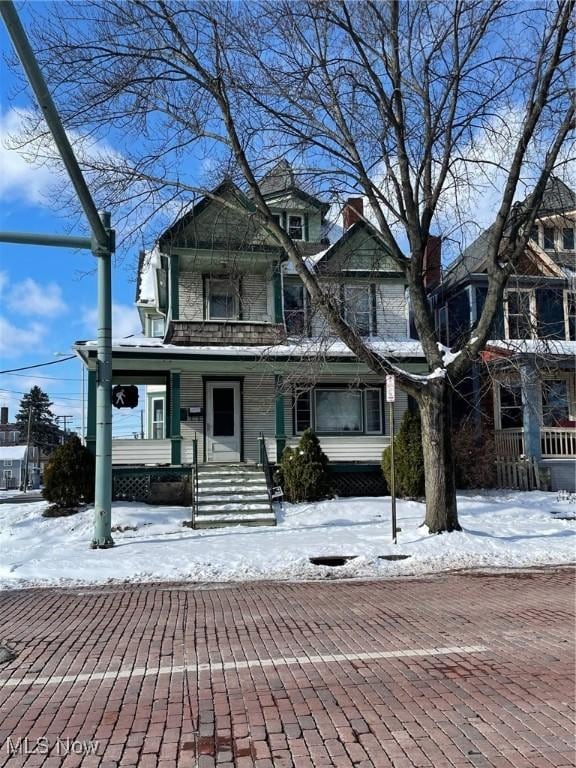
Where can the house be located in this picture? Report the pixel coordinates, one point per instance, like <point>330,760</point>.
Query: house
<point>234,363</point>
<point>13,467</point>
<point>526,385</point>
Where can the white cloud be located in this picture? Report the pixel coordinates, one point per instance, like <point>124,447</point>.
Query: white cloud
<point>31,298</point>
<point>125,321</point>
<point>21,179</point>
<point>16,341</point>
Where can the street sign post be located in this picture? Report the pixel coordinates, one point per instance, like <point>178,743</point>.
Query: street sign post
<point>390,399</point>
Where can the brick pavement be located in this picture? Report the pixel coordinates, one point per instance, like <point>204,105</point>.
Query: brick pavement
<point>303,675</point>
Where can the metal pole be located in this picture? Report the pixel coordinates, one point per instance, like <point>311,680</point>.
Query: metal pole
<point>27,448</point>
<point>392,473</point>
<point>83,403</point>
<point>103,485</point>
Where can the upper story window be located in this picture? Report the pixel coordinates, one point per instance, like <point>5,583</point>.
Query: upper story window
<point>296,227</point>
<point>358,308</point>
<point>7,462</point>
<point>520,314</point>
<point>222,300</point>
<point>534,234</point>
<point>157,327</point>
<point>278,219</point>
<point>568,239</point>
<point>571,315</point>
<point>295,309</point>
<point>549,238</point>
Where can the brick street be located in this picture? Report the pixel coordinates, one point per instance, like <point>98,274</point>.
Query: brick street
<point>445,671</point>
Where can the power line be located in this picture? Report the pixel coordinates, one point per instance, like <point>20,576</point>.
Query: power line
<point>40,365</point>
<point>51,378</point>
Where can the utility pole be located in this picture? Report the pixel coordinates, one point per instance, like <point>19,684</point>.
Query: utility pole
<point>102,245</point>
<point>65,430</point>
<point>141,425</point>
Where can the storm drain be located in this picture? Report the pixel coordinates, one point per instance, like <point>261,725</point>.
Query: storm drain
<point>332,560</point>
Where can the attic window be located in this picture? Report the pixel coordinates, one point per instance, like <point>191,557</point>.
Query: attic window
<point>296,227</point>
<point>223,300</point>
<point>548,238</point>
<point>568,239</point>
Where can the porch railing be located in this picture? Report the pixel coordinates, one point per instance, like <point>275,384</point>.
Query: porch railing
<point>557,442</point>
<point>267,467</point>
<point>509,442</point>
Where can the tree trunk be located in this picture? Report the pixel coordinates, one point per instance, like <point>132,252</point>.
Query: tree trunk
<point>436,418</point>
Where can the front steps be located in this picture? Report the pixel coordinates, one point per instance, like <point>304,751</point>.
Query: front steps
<point>232,494</point>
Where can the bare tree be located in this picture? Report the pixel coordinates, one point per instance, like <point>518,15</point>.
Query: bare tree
<point>412,105</point>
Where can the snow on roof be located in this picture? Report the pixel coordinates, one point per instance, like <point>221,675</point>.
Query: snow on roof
<point>544,347</point>
<point>14,452</point>
<point>309,261</point>
<point>147,277</point>
<point>310,348</point>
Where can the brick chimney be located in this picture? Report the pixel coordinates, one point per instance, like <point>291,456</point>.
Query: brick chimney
<point>431,265</point>
<point>4,415</point>
<point>353,211</point>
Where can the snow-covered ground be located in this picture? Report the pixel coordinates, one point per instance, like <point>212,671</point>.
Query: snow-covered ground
<point>501,529</point>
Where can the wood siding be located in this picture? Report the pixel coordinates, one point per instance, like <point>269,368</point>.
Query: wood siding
<point>134,452</point>
<point>255,295</point>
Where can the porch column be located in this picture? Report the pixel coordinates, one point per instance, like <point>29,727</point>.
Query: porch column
<point>174,291</point>
<point>91,416</point>
<point>530,385</point>
<point>175,436</point>
<point>277,282</point>
<point>280,425</point>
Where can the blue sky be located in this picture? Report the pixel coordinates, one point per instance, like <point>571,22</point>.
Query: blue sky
<point>47,295</point>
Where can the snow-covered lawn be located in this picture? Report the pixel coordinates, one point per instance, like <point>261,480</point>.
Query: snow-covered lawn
<point>501,529</point>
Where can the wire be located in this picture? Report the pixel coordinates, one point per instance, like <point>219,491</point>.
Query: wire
<point>40,365</point>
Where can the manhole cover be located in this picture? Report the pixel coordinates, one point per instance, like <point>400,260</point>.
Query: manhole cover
<point>393,557</point>
<point>6,654</point>
<point>332,560</point>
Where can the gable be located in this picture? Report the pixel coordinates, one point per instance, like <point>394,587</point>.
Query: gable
<point>358,250</point>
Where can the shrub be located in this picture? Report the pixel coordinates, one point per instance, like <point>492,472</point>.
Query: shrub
<point>408,458</point>
<point>304,470</point>
<point>474,456</point>
<point>69,477</point>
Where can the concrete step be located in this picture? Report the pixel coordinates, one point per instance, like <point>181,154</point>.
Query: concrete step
<point>228,496</point>
<point>232,508</point>
<point>217,521</point>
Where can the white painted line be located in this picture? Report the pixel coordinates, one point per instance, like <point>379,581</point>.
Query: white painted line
<point>328,658</point>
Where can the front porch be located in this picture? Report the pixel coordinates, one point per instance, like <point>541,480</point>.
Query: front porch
<point>555,442</point>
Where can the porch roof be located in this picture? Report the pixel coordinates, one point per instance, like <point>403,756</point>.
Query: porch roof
<point>297,350</point>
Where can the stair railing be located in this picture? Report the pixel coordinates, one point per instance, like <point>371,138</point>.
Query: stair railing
<point>194,478</point>
<point>274,493</point>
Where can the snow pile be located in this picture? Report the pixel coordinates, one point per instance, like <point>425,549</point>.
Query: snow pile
<point>514,529</point>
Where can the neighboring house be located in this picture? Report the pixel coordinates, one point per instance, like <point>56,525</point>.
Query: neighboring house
<point>234,358</point>
<point>10,436</point>
<point>527,382</point>
<point>13,468</point>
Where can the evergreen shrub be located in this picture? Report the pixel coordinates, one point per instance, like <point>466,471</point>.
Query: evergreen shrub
<point>304,470</point>
<point>68,478</point>
<point>408,458</point>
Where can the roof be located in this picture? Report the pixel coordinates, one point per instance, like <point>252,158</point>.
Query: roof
<point>281,182</point>
<point>14,452</point>
<point>557,198</point>
<point>148,262</point>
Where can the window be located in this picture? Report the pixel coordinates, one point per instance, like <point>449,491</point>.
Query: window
<point>568,239</point>
<point>7,462</point>
<point>511,413</point>
<point>548,238</point>
<point>534,234</point>
<point>302,414</point>
<point>571,315</point>
<point>373,411</point>
<point>295,309</point>
<point>2,437</point>
<point>519,314</point>
<point>338,410</point>
<point>157,327</point>
<point>7,474</point>
<point>222,300</point>
<point>295,227</point>
<point>357,308</point>
<point>443,325</point>
<point>555,402</point>
<point>278,219</point>
<point>158,419</point>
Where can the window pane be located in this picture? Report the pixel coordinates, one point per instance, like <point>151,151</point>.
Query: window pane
<point>555,406</point>
<point>568,239</point>
<point>222,300</point>
<point>357,308</point>
<point>302,410</point>
<point>373,410</point>
<point>572,315</point>
<point>548,238</point>
<point>519,322</point>
<point>223,412</point>
<point>295,227</point>
<point>510,407</point>
<point>157,327</point>
<point>294,312</point>
<point>534,234</point>
<point>338,411</point>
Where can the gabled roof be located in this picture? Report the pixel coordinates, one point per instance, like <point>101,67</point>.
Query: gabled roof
<point>281,182</point>
<point>14,452</point>
<point>356,228</point>
<point>557,198</point>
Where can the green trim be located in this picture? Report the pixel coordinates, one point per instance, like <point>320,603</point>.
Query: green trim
<point>141,470</point>
<point>277,281</point>
<point>174,292</point>
<point>175,435</point>
<point>280,422</point>
<point>91,415</point>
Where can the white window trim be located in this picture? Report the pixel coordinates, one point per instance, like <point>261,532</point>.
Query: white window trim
<point>368,290</point>
<point>532,310</point>
<point>305,301</point>
<point>567,291</point>
<point>372,431</point>
<point>313,410</point>
<point>152,422</point>
<point>7,462</point>
<point>303,225</point>
<point>7,474</point>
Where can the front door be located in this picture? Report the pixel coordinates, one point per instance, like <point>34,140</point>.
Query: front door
<point>223,421</point>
